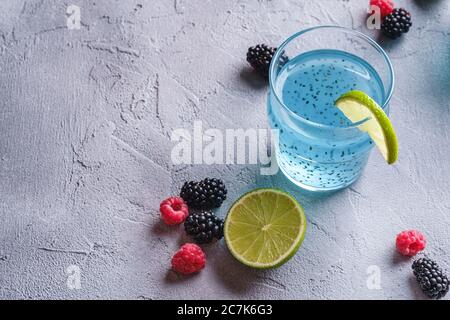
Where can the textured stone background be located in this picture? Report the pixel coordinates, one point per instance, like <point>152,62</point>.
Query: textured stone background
<point>85,123</point>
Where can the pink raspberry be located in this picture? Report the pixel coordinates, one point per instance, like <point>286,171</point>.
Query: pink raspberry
<point>189,259</point>
<point>386,6</point>
<point>410,242</point>
<point>173,210</point>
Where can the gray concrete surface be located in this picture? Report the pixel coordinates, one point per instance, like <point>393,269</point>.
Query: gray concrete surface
<point>85,123</point>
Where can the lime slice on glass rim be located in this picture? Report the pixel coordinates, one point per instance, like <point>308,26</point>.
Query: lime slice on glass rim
<point>264,228</point>
<point>358,106</point>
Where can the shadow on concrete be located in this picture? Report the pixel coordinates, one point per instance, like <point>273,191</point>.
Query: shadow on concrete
<point>160,228</point>
<point>232,274</point>
<point>397,258</point>
<point>387,43</point>
<point>254,80</point>
<point>415,288</point>
<point>426,4</point>
<point>172,277</point>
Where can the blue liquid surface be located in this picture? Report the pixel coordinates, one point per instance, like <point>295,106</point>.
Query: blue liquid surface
<point>321,155</point>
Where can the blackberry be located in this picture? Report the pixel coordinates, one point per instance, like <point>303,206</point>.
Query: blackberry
<point>396,23</point>
<point>206,194</point>
<point>203,227</point>
<point>260,56</point>
<point>433,282</point>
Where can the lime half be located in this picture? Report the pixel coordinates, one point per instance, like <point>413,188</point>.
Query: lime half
<point>264,228</point>
<point>358,106</point>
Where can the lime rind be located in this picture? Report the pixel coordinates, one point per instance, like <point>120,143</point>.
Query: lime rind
<point>357,106</point>
<point>268,241</point>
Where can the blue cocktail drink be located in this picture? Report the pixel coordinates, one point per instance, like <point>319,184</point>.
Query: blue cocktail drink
<point>319,148</point>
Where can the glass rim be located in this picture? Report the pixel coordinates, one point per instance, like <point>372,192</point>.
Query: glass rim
<point>372,42</point>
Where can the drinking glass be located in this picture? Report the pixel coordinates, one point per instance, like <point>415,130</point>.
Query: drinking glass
<point>319,149</point>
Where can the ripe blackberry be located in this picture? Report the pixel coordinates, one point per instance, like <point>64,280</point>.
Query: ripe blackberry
<point>206,194</point>
<point>396,23</point>
<point>260,56</point>
<point>433,282</point>
<point>203,227</point>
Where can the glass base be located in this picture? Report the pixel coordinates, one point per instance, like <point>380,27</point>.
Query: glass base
<point>318,189</point>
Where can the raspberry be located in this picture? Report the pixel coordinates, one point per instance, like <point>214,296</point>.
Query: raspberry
<point>173,210</point>
<point>189,259</point>
<point>386,6</point>
<point>410,242</point>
